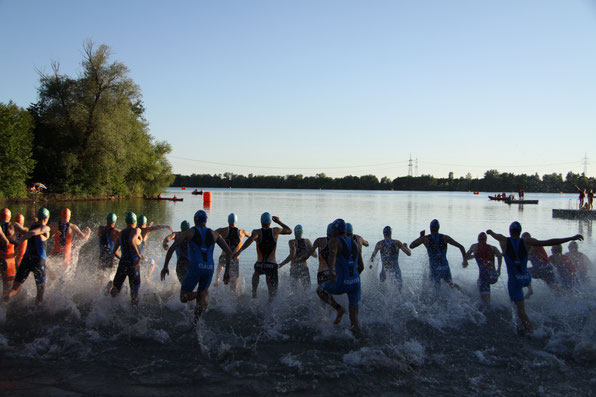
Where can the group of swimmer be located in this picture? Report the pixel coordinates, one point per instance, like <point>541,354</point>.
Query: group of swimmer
<point>22,250</point>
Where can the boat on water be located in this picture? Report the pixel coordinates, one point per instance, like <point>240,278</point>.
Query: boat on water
<point>197,192</point>
<point>513,201</point>
<point>573,214</point>
<point>165,198</point>
<point>496,198</point>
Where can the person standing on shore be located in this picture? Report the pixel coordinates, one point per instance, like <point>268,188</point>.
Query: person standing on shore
<point>436,247</point>
<point>63,232</point>
<point>515,252</point>
<point>130,259</point>
<point>234,238</point>
<point>389,250</point>
<point>266,264</point>
<point>299,246</point>
<point>485,254</point>
<point>582,196</point>
<point>201,242</point>
<point>35,256</point>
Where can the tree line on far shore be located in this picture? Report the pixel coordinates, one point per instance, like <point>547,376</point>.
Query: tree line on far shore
<point>493,181</point>
<point>85,136</point>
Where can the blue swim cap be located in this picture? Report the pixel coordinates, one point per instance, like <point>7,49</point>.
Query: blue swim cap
<point>184,226</point>
<point>339,225</point>
<point>387,231</point>
<point>232,218</point>
<point>330,230</point>
<point>43,213</point>
<point>434,224</point>
<point>142,221</point>
<point>131,218</point>
<point>266,218</point>
<point>349,228</point>
<point>515,228</point>
<point>200,216</point>
<point>298,231</point>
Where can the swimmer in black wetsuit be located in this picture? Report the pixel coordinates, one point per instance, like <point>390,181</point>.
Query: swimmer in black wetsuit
<point>126,248</point>
<point>266,238</point>
<point>182,260</point>
<point>298,266</point>
<point>233,237</point>
<point>359,239</point>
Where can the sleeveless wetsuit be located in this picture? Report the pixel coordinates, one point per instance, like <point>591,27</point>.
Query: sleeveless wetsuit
<point>266,246</point>
<point>233,241</point>
<point>200,256</point>
<point>182,261</point>
<point>128,266</point>
<point>20,250</point>
<point>348,279</point>
<point>541,267</point>
<point>516,259</point>
<point>487,275</point>
<point>63,242</point>
<point>7,258</point>
<point>299,271</point>
<point>323,276</point>
<point>34,260</point>
<point>106,248</point>
<point>390,260</point>
<point>437,258</point>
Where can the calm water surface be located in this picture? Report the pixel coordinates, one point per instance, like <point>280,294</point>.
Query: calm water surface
<point>81,342</point>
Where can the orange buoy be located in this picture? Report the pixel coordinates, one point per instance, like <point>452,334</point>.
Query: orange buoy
<point>183,188</point>
<point>206,197</point>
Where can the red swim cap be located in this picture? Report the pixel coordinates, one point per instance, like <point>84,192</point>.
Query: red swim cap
<point>65,214</point>
<point>5,214</point>
<point>20,219</point>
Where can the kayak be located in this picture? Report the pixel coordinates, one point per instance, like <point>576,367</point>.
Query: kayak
<point>197,193</point>
<point>165,198</point>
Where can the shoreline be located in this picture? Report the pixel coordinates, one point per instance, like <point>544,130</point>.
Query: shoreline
<point>36,198</point>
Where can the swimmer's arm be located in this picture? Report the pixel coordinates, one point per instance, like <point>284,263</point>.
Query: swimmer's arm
<point>461,249</point>
<point>79,233</point>
<point>133,243</point>
<point>374,253</point>
<point>310,246</point>
<point>499,258</point>
<point>311,250</point>
<point>472,251</point>
<point>360,262</point>
<point>363,241</point>
<point>224,246</point>
<point>404,248</point>
<point>248,242</point>
<point>3,238</point>
<point>166,240</point>
<point>285,228</point>
<point>333,248</point>
<point>291,254</point>
<point>19,229</point>
<point>553,241</point>
<point>99,230</point>
<point>179,239</point>
<point>417,242</point>
<point>158,227</point>
<point>42,231</point>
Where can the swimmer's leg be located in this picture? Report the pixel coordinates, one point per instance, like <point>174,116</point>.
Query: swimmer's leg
<point>354,323</point>
<point>16,287</point>
<point>218,274</point>
<point>202,303</point>
<point>530,291</point>
<point>255,284</point>
<point>327,298</point>
<point>272,283</point>
<point>521,313</point>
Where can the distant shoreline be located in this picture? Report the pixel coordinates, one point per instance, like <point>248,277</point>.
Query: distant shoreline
<point>44,198</point>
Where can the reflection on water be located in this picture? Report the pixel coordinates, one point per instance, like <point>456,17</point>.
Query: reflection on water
<point>416,342</point>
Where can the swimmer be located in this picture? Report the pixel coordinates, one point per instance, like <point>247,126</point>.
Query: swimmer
<point>515,252</point>
<point>234,238</point>
<point>541,268</point>
<point>107,234</point>
<point>201,242</point>
<point>581,262</point>
<point>485,259</point>
<point>355,237</point>
<point>7,251</point>
<point>566,274</point>
<point>63,232</point>
<point>298,268</point>
<point>389,250</point>
<point>130,259</point>
<point>266,239</point>
<point>436,247</point>
<point>345,265</point>
<point>35,256</point>
<point>21,248</point>
<point>146,230</point>
<point>181,254</point>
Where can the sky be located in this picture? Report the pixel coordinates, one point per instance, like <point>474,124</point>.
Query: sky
<point>338,87</point>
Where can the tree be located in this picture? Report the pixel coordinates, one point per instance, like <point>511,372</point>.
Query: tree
<point>16,126</point>
<point>91,136</point>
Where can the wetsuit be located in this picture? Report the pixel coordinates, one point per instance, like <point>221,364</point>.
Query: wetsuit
<point>323,276</point>
<point>182,261</point>
<point>299,271</point>
<point>566,271</point>
<point>7,258</point>
<point>541,268</point>
<point>437,257</point>
<point>63,242</point>
<point>266,246</point>
<point>487,275</point>
<point>233,241</point>
<point>34,260</point>
<point>516,259</point>
<point>106,248</point>
<point>200,256</point>
<point>390,260</point>
<point>348,279</point>
<point>20,251</point>
<point>128,265</point>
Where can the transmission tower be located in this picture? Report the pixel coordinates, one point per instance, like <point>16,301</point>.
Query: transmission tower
<point>416,168</point>
<point>585,164</point>
<point>410,166</point>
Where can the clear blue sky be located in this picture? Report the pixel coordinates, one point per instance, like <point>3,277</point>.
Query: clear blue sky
<point>336,86</point>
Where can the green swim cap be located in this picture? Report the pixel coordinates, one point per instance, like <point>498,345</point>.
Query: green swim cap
<point>131,218</point>
<point>184,226</point>
<point>142,220</point>
<point>112,218</point>
<point>43,213</point>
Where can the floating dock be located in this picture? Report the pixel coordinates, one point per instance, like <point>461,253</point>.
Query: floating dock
<point>521,201</point>
<point>574,214</point>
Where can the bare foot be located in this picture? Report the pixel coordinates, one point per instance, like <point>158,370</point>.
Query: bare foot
<point>340,312</point>
<point>529,293</point>
<point>355,331</point>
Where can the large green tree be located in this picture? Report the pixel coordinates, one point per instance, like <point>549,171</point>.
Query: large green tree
<point>16,141</point>
<point>90,133</point>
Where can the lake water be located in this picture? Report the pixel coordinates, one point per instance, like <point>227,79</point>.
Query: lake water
<point>80,342</point>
